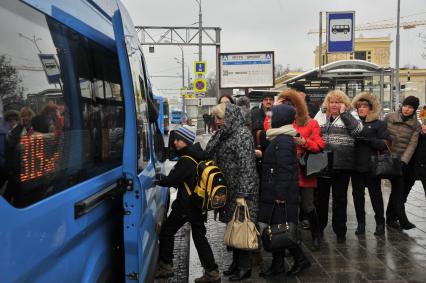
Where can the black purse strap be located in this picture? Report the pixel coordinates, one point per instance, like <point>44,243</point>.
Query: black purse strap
<point>278,202</point>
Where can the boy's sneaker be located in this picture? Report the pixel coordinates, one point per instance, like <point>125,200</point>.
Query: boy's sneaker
<point>164,270</point>
<point>209,277</point>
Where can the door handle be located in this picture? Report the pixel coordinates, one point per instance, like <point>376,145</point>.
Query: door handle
<point>88,204</point>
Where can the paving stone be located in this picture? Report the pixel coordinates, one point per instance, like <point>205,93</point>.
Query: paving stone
<point>398,256</point>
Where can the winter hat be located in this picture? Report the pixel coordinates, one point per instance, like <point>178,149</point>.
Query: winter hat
<point>268,94</point>
<point>412,101</point>
<point>186,134</point>
<point>300,87</point>
<point>282,114</point>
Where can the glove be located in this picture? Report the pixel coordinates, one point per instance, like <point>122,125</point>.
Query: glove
<point>362,140</point>
<point>159,178</point>
<point>241,201</point>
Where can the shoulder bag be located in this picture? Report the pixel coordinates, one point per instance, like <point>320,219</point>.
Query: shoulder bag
<point>241,234</point>
<point>386,164</point>
<point>278,237</point>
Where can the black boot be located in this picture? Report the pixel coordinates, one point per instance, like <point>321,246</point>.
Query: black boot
<point>315,230</point>
<point>233,268</point>
<point>277,266</point>
<point>300,260</point>
<point>360,229</point>
<point>240,275</point>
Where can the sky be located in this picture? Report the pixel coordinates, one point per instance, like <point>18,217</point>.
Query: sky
<point>262,25</point>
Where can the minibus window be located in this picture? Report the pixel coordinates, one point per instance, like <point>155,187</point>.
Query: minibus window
<point>61,106</point>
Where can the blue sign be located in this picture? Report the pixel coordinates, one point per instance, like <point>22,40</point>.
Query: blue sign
<point>340,31</point>
<point>200,67</point>
<point>51,68</point>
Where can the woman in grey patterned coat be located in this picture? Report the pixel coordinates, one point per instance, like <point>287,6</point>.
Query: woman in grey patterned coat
<point>232,148</point>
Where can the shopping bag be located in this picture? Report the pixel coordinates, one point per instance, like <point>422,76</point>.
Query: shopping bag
<point>319,164</point>
<point>241,234</point>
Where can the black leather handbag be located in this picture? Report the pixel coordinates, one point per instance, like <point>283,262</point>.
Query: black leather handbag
<point>385,165</point>
<point>318,164</point>
<point>278,237</point>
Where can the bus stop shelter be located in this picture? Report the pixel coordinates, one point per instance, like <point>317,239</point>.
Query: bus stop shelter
<point>350,76</point>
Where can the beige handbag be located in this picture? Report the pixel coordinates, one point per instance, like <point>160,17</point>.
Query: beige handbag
<point>241,234</point>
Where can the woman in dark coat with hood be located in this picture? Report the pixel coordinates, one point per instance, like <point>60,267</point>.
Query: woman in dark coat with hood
<point>280,184</point>
<point>371,140</point>
<point>232,148</point>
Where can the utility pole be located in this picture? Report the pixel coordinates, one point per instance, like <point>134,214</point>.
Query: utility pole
<point>200,32</point>
<point>397,84</point>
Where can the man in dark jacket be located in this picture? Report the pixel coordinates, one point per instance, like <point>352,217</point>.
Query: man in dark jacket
<point>404,130</point>
<point>300,87</point>
<point>418,163</point>
<point>372,139</point>
<point>183,176</point>
<point>258,115</point>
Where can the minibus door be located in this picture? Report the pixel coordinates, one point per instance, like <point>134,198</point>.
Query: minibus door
<point>134,199</point>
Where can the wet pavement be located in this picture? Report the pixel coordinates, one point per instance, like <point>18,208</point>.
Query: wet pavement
<point>398,256</point>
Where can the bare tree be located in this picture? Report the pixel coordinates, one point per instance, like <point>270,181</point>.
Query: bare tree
<point>422,36</point>
<point>211,84</point>
<point>10,88</point>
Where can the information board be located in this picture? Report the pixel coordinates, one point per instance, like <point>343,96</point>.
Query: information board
<point>246,69</point>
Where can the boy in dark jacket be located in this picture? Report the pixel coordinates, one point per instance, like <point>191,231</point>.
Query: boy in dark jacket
<point>183,176</point>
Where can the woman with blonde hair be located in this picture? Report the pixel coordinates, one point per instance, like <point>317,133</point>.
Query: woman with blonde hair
<point>339,127</point>
<point>309,140</point>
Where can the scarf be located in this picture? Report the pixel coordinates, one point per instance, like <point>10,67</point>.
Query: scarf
<point>283,130</point>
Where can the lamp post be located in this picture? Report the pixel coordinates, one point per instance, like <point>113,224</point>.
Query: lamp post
<point>183,78</point>
<point>200,31</point>
<point>33,39</point>
<point>397,83</point>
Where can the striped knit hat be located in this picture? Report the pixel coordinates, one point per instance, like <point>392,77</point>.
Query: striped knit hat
<point>184,133</point>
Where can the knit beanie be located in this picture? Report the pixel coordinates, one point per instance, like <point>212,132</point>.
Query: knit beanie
<point>186,134</point>
<point>412,101</point>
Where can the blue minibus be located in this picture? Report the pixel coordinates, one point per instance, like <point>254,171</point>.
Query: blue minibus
<point>163,114</point>
<point>176,116</point>
<point>80,145</point>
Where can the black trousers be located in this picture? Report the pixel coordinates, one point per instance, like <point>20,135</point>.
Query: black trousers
<point>242,258</point>
<point>359,182</point>
<point>396,208</point>
<point>408,185</point>
<point>173,223</point>
<point>339,187</point>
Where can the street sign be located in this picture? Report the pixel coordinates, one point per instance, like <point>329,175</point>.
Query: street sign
<point>200,85</point>
<point>51,68</point>
<point>200,67</point>
<point>183,91</point>
<point>246,69</point>
<point>340,31</point>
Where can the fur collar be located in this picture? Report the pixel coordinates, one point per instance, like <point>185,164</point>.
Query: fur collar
<point>376,108</point>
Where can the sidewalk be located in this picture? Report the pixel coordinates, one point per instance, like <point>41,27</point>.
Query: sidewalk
<point>398,256</point>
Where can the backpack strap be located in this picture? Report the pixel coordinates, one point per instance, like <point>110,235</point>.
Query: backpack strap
<point>187,156</point>
<point>188,190</point>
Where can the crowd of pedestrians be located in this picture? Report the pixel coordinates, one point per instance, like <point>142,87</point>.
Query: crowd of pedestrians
<point>259,152</point>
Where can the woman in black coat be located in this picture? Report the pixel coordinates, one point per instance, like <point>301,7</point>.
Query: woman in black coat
<point>280,184</point>
<point>371,140</point>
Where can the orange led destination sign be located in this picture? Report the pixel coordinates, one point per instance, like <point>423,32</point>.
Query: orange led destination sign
<point>35,161</point>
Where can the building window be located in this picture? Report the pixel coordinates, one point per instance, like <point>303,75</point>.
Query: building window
<point>360,55</point>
